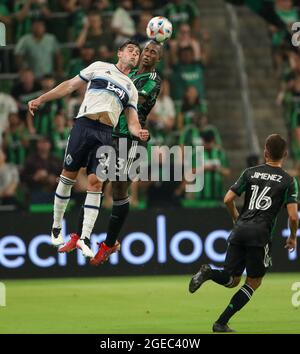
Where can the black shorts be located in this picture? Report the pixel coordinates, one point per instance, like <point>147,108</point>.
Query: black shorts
<point>124,162</point>
<point>256,260</point>
<point>85,138</point>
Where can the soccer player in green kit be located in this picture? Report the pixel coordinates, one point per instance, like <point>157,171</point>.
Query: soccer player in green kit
<point>147,82</point>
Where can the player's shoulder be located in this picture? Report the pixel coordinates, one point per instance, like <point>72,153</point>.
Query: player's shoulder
<point>98,65</point>
<point>256,167</point>
<point>155,76</point>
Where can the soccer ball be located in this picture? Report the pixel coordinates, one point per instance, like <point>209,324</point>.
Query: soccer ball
<point>159,29</point>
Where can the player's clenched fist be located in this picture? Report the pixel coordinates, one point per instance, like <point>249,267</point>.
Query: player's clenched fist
<point>33,105</point>
<point>144,134</point>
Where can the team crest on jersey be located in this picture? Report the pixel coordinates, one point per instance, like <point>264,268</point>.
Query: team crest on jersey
<point>69,159</point>
<point>128,87</point>
<point>108,72</point>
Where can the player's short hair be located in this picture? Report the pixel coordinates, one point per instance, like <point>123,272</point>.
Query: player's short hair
<point>159,45</point>
<point>276,146</point>
<point>130,41</point>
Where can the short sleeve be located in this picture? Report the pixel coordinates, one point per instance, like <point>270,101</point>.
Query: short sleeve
<point>87,73</point>
<point>291,194</point>
<point>133,100</point>
<point>240,185</point>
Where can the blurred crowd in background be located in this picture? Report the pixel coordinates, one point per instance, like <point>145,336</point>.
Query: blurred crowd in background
<point>286,60</point>
<point>52,40</point>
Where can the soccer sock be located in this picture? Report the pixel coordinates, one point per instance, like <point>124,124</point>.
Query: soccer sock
<point>238,301</point>
<point>92,206</point>
<point>221,277</point>
<point>61,199</point>
<point>81,216</point>
<point>118,216</point>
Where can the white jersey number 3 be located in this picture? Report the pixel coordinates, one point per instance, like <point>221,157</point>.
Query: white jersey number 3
<point>261,201</point>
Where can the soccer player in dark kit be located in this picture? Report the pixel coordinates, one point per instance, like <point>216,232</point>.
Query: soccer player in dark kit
<point>267,187</point>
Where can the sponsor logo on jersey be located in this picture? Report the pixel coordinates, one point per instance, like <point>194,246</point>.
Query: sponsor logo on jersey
<point>267,176</point>
<point>115,89</point>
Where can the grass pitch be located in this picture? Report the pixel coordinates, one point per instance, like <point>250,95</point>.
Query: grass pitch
<point>160,304</point>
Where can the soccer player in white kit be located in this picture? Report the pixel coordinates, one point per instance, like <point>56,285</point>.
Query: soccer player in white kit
<point>109,91</point>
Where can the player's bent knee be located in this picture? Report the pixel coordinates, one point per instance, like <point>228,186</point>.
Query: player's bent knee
<point>254,283</point>
<point>235,282</point>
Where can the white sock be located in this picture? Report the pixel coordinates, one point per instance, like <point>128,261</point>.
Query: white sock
<point>61,199</point>
<point>91,210</point>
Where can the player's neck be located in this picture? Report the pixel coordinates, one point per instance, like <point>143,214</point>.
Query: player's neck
<point>274,163</point>
<point>123,68</point>
<point>144,69</point>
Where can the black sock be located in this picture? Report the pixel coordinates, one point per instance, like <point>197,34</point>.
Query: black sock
<point>221,277</point>
<point>238,301</point>
<point>117,218</point>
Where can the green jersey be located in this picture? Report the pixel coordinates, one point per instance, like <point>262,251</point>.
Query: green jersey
<point>16,149</point>
<point>213,179</point>
<point>148,86</point>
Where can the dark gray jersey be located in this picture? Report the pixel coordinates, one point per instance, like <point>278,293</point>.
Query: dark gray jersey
<point>266,189</point>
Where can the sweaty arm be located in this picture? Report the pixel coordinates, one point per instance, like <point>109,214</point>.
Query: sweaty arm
<point>230,205</point>
<point>63,89</point>
<point>134,125</point>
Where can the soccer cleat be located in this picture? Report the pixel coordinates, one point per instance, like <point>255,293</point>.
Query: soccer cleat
<point>199,278</point>
<point>104,252</point>
<point>85,246</point>
<point>70,245</point>
<point>219,328</point>
<point>56,237</point>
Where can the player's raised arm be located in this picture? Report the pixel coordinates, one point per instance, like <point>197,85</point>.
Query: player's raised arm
<point>230,205</point>
<point>134,125</point>
<point>61,90</point>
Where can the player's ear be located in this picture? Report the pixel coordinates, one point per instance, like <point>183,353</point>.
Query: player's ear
<point>286,154</point>
<point>266,154</point>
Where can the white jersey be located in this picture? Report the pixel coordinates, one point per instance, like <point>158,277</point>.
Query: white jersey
<point>108,90</point>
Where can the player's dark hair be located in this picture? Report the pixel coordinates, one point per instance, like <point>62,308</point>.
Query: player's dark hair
<point>159,45</point>
<point>129,41</point>
<point>276,146</point>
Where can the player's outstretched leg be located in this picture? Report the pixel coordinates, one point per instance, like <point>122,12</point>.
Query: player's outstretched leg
<point>61,200</point>
<point>238,301</point>
<point>71,245</point>
<point>199,278</point>
<point>221,277</point>
<point>91,211</point>
<point>92,206</point>
<point>110,245</point>
<point>117,219</point>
